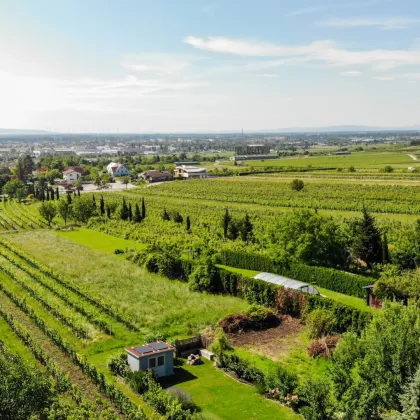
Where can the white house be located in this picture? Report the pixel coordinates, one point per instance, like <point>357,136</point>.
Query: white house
<point>71,175</point>
<point>117,169</point>
<point>190,172</point>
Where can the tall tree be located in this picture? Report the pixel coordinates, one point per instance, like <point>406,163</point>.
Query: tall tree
<point>108,212</point>
<point>57,194</point>
<point>178,218</point>
<point>48,194</point>
<point>385,250</point>
<point>226,222</point>
<point>124,211</point>
<point>83,209</point>
<point>102,205</point>
<point>410,400</point>
<point>366,241</point>
<point>143,209</point>
<point>52,194</point>
<point>137,214</point>
<point>130,212</point>
<point>246,229</point>
<point>69,198</point>
<point>188,224</point>
<point>165,215</point>
<point>48,211</point>
<point>64,210</point>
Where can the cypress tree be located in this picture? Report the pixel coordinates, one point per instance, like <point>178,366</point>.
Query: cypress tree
<point>165,215</point>
<point>102,205</point>
<point>137,214</point>
<point>188,224</point>
<point>226,222</point>
<point>74,193</point>
<point>94,200</point>
<point>246,229</point>
<point>69,198</point>
<point>143,209</point>
<point>108,212</point>
<point>57,194</point>
<point>52,194</point>
<point>130,212</point>
<point>367,243</point>
<point>124,211</point>
<point>385,250</point>
<point>48,194</point>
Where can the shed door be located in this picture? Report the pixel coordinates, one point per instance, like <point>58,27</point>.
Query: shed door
<point>157,364</point>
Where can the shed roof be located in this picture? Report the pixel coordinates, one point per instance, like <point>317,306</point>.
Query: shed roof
<point>150,349</point>
<point>287,283</point>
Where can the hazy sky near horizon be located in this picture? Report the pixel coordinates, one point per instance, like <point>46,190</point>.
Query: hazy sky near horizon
<point>203,65</point>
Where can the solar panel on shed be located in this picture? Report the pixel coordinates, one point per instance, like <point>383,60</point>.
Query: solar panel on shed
<point>143,349</point>
<point>159,346</point>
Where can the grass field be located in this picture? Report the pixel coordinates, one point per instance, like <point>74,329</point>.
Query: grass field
<point>99,241</point>
<point>222,397</point>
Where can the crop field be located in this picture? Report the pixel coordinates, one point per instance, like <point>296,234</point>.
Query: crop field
<point>272,192</point>
<point>68,302</point>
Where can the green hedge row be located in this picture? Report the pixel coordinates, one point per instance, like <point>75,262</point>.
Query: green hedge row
<point>336,280</point>
<point>329,278</point>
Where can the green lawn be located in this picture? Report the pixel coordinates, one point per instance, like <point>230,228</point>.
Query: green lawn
<point>221,397</point>
<point>99,241</point>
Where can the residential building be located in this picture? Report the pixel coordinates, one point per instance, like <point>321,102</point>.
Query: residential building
<point>71,175</point>
<point>158,356</point>
<point>117,169</point>
<point>190,172</point>
<point>156,176</point>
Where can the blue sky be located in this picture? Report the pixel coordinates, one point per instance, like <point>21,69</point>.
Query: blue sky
<point>140,66</point>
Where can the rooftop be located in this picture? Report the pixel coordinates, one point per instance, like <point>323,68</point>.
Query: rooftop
<point>149,349</point>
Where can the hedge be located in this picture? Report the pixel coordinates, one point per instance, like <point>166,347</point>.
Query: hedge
<point>329,278</point>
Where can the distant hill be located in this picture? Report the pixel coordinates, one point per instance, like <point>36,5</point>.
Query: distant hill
<point>339,129</point>
<point>8,131</point>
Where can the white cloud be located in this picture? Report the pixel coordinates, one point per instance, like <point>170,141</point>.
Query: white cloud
<point>351,73</point>
<point>385,23</point>
<point>157,63</point>
<point>384,78</point>
<point>318,51</point>
<point>307,10</point>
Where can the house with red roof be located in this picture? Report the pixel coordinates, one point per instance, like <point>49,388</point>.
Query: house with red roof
<point>73,174</point>
<point>117,169</point>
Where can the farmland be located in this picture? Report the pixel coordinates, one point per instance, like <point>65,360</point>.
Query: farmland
<point>77,295</point>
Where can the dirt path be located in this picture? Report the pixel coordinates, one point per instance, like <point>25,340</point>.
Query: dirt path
<point>76,375</point>
<point>414,157</point>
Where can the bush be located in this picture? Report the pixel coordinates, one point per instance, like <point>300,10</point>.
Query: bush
<point>118,251</point>
<point>316,397</point>
<point>183,397</point>
<point>297,185</point>
<point>259,313</point>
<point>280,378</point>
<point>205,278</point>
<point>118,365</point>
<point>138,381</point>
<point>320,322</point>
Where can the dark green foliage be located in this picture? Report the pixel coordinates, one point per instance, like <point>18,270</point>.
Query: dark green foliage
<point>205,278</point>
<point>248,260</point>
<point>118,365</point>
<point>83,209</point>
<point>225,223</point>
<point>321,323</point>
<point>57,193</point>
<point>24,392</point>
<point>370,371</point>
<point>137,215</point>
<point>52,194</point>
<point>165,215</point>
<point>143,209</point>
<point>329,278</point>
<point>366,240</point>
<point>297,185</point>
<point>69,200</point>
<point>178,218</point>
<point>102,206</point>
<point>130,213</point>
<point>410,400</point>
<point>188,224</point>
<point>315,395</point>
<point>124,212</point>
<point>246,229</point>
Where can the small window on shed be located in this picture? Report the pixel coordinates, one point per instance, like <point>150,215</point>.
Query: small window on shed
<point>161,360</point>
<point>152,362</point>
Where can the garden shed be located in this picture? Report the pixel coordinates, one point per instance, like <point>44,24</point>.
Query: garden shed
<point>158,356</point>
<point>287,283</point>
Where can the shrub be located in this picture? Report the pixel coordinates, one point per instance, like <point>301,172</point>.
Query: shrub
<point>151,263</point>
<point>118,251</point>
<point>118,365</point>
<point>297,185</point>
<point>316,397</point>
<point>205,278</point>
<point>259,313</point>
<point>183,397</point>
<point>220,343</point>
<point>138,381</point>
<point>321,323</point>
<point>280,378</point>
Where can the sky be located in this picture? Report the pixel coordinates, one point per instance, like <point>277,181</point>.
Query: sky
<point>203,65</point>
